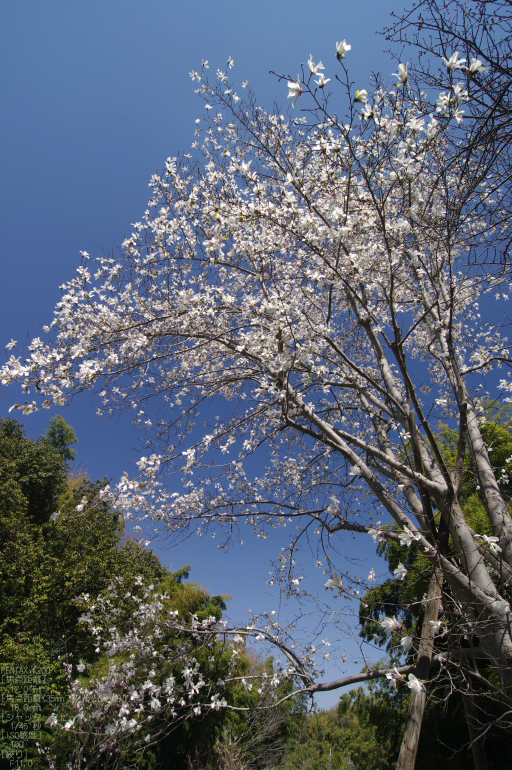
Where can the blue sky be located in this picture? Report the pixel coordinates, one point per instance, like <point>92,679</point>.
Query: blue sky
<point>95,96</point>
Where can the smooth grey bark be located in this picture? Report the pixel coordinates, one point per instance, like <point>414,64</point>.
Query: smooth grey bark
<point>411,738</point>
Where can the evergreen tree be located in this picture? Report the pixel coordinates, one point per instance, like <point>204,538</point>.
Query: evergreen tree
<point>61,435</point>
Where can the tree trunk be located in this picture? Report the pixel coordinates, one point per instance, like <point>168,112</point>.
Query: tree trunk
<point>410,741</point>
<point>477,748</point>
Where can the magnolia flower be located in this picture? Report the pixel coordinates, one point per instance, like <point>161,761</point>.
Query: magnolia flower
<point>322,80</point>
<point>361,96</point>
<point>454,63</point>
<point>476,66</point>
<point>415,685</point>
<point>81,667</point>
<point>400,571</point>
<point>55,516</point>
<point>402,75</point>
<point>354,470</point>
<point>492,543</point>
<point>334,582</point>
<point>368,112</point>
<point>295,90</point>
<point>389,625</point>
<point>407,536</point>
<point>436,626</point>
<point>52,720</point>
<point>459,93</point>
<point>393,677</point>
<point>432,127</point>
<point>314,68</point>
<point>443,102</point>
<point>372,575</point>
<point>341,49</point>
<point>376,533</point>
<point>406,642</point>
<point>10,345</point>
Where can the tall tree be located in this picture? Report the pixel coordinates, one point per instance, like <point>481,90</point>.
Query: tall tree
<point>61,435</point>
<point>46,561</point>
<point>321,277</point>
<point>404,596</point>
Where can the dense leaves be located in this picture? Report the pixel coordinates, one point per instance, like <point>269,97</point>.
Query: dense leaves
<point>61,435</point>
<point>32,474</point>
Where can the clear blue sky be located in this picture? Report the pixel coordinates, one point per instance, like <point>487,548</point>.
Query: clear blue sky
<point>95,96</point>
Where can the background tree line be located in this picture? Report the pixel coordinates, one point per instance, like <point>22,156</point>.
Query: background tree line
<point>51,554</point>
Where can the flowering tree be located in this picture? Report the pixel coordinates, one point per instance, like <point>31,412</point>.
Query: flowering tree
<point>474,39</point>
<point>322,278</point>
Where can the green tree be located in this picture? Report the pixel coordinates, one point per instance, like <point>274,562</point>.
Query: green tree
<point>60,540</point>
<point>404,599</point>
<point>363,733</point>
<point>32,476</point>
<point>61,435</point>
<point>50,553</point>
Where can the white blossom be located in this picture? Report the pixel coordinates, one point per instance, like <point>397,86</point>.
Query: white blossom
<point>334,582</point>
<point>492,543</point>
<point>402,74</point>
<point>390,625</point>
<point>454,62</point>
<point>376,533</point>
<point>407,536</point>
<point>322,80</point>
<point>342,49</point>
<point>415,685</point>
<point>436,626</point>
<point>477,66</point>
<point>294,90</point>
<point>314,68</point>
<point>400,572</point>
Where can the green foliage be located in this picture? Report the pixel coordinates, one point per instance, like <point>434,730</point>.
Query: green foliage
<point>61,540</point>
<point>319,745</point>
<point>191,598</point>
<point>253,738</point>
<point>496,427</point>
<point>403,598</point>
<point>257,737</point>
<point>60,435</point>
<point>50,553</point>
<point>32,477</point>
<point>400,598</point>
<point>363,733</point>
<point>444,729</point>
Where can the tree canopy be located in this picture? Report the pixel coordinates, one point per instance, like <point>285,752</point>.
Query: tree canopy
<point>61,435</point>
<point>48,564</point>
